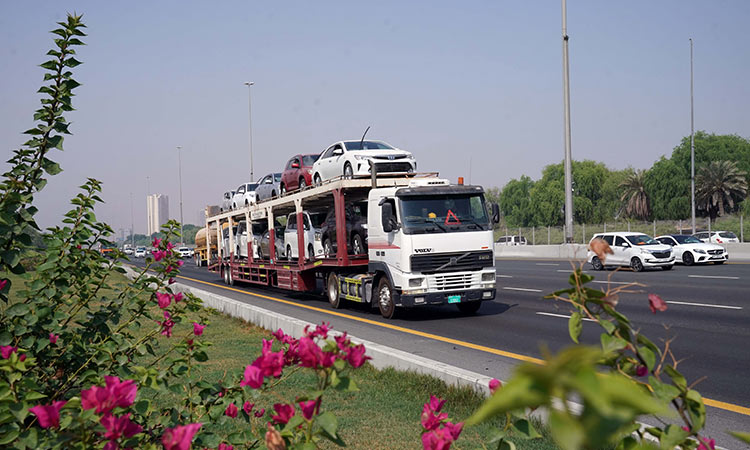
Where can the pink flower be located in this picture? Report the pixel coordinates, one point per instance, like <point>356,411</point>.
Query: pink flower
<point>356,355</point>
<point>260,412</point>
<point>53,338</point>
<point>168,269</point>
<point>248,407</point>
<point>231,411</point>
<point>253,377</point>
<point>429,420</point>
<point>641,371</point>
<point>440,439</point>
<point>656,303</point>
<point>7,350</point>
<point>270,363</point>
<point>178,297</point>
<point>158,254</point>
<point>3,282</point>
<point>435,404</point>
<point>309,353</point>
<point>284,412</point>
<point>166,326</point>
<point>180,263</point>
<point>163,299</point>
<point>224,446</point>
<point>48,415</point>
<point>171,281</point>
<point>179,437</point>
<point>308,409</point>
<point>106,398</point>
<point>155,243</point>
<point>170,246</point>
<point>706,444</point>
<point>198,328</point>
<point>118,427</point>
<point>495,384</point>
<point>22,357</point>
<point>454,430</point>
<point>281,337</point>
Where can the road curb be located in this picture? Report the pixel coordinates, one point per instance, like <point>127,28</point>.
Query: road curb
<point>382,356</point>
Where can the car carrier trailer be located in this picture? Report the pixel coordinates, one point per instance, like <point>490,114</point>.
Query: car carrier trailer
<point>429,243</point>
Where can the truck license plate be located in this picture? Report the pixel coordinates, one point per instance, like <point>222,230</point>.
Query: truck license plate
<point>454,299</point>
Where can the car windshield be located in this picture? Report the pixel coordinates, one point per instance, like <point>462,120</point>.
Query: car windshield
<point>317,220</point>
<point>367,145</point>
<point>728,235</point>
<point>687,239</point>
<point>184,249</point>
<point>444,214</point>
<point>252,187</point>
<point>140,249</point>
<point>277,177</point>
<point>642,239</point>
<point>309,160</point>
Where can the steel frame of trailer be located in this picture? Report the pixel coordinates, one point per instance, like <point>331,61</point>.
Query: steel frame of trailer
<point>300,275</point>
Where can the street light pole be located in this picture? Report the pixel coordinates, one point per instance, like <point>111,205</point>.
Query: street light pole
<point>250,125</point>
<point>179,169</point>
<point>566,113</point>
<point>132,223</point>
<point>692,140</point>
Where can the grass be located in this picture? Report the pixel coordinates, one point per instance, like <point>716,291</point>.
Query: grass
<point>383,414</point>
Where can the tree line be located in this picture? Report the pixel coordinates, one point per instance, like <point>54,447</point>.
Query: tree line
<point>662,192</point>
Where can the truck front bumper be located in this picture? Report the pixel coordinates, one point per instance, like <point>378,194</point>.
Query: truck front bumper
<point>446,297</point>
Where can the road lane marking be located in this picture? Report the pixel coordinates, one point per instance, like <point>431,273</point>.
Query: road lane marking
<point>611,282</point>
<point>703,304</point>
<point>521,289</point>
<point>714,276</point>
<point>547,264</point>
<point>505,276</point>
<point>568,270</point>
<point>562,316</point>
<point>714,403</point>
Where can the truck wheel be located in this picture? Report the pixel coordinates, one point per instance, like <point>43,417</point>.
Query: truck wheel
<point>385,298</point>
<point>333,291</point>
<point>225,274</point>
<point>357,247</point>
<point>469,307</point>
<point>328,249</point>
<point>230,278</point>
<point>636,264</point>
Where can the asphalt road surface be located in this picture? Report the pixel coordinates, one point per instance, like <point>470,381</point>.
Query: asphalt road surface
<point>708,318</point>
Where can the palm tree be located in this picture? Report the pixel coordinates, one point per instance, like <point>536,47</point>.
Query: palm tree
<point>634,195</point>
<point>717,183</point>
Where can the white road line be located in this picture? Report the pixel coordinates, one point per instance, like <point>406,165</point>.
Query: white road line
<point>714,276</point>
<point>505,276</point>
<point>611,282</point>
<point>547,264</point>
<point>562,316</point>
<point>704,304</point>
<point>521,289</point>
<point>568,270</point>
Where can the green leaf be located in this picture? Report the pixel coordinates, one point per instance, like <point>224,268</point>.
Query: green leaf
<point>612,343</point>
<point>696,409</point>
<point>521,391</point>
<point>741,435</point>
<point>328,422</point>
<point>676,377</point>
<point>18,309</point>
<point>567,432</point>
<point>665,392</point>
<point>648,356</point>
<point>506,445</point>
<point>142,406</point>
<point>575,326</point>
<point>9,437</point>
<point>525,429</point>
<point>672,436</point>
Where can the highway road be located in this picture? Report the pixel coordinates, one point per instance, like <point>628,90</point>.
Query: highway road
<point>708,317</point>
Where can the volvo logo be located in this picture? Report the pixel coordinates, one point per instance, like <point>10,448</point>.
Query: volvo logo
<point>423,250</point>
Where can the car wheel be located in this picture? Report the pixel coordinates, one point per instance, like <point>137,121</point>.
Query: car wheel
<point>289,252</point>
<point>234,205</point>
<point>273,194</point>
<point>302,183</point>
<point>260,253</point>
<point>669,267</point>
<point>718,263</point>
<point>276,255</point>
<point>316,180</point>
<point>636,264</point>
<point>247,203</point>
<point>688,259</point>
<point>282,189</point>
<point>385,298</point>
<point>469,307</point>
<point>357,247</point>
<point>310,252</point>
<point>332,289</point>
<point>597,263</point>
<point>348,172</point>
<point>328,249</point>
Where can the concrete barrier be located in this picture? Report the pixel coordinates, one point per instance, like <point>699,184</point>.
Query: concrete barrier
<point>737,252</point>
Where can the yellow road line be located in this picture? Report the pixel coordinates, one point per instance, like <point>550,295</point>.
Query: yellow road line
<point>709,402</point>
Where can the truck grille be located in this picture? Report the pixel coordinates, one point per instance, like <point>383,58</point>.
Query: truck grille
<point>452,282</point>
<point>393,167</point>
<point>451,262</point>
<point>662,254</point>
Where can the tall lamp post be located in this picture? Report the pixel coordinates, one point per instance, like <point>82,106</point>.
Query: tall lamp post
<point>250,125</point>
<point>132,223</point>
<point>179,169</point>
<point>692,141</point>
<point>566,113</point>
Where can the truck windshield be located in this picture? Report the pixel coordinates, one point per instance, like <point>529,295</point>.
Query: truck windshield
<point>445,214</point>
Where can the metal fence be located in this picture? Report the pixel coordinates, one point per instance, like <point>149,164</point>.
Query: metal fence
<point>582,233</point>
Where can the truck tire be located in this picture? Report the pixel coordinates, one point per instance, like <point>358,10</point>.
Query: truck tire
<point>230,277</point>
<point>469,307</point>
<point>385,298</point>
<point>332,291</point>
<point>225,274</point>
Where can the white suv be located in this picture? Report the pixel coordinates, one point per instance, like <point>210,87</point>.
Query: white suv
<point>635,250</point>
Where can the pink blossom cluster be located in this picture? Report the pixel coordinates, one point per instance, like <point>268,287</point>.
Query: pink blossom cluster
<point>165,299</point>
<point>7,350</point>
<point>162,252</point>
<point>438,432</point>
<point>703,442</point>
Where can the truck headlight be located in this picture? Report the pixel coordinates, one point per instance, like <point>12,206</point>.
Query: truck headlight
<point>416,282</point>
<point>488,276</point>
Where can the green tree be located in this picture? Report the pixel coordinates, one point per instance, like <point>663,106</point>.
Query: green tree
<point>515,202</point>
<point>668,186</point>
<point>714,147</point>
<point>634,195</point>
<point>719,183</point>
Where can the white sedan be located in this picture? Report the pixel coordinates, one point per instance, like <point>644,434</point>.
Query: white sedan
<point>350,159</point>
<point>244,195</point>
<point>690,250</point>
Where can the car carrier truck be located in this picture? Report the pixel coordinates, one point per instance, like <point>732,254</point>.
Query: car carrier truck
<point>428,242</point>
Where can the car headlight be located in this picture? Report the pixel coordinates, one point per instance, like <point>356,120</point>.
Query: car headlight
<point>698,250</point>
<point>317,235</point>
<point>361,157</point>
<point>309,171</point>
<point>416,282</point>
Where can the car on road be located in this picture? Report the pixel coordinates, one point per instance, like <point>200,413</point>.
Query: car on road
<point>717,237</point>
<point>690,250</point>
<point>226,201</point>
<point>350,159</point>
<point>638,251</point>
<point>312,223</point>
<point>127,249</point>
<point>140,252</point>
<point>298,173</point>
<point>244,195</point>
<point>185,252</point>
<point>356,230</point>
<point>268,187</point>
<point>511,240</point>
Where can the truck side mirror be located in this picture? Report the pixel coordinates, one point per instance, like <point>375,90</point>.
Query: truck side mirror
<point>495,213</point>
<point>387,217</point>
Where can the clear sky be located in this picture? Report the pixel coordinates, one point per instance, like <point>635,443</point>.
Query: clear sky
<point>472,88</point>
